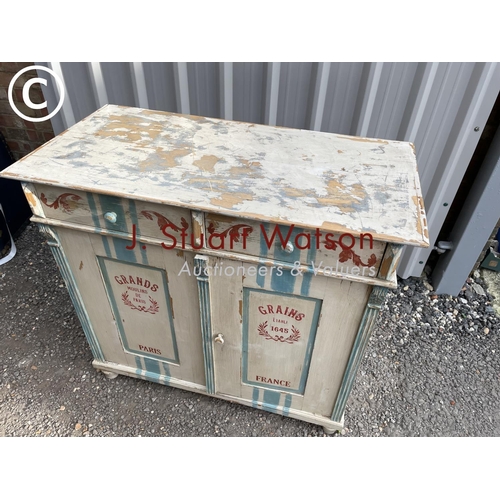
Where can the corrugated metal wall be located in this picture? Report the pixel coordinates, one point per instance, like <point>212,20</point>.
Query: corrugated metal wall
<point>440,107</point>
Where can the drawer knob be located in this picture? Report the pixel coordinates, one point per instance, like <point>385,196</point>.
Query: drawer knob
<point>288,248</point>
<point>219,338</point>
<point>110,217</point>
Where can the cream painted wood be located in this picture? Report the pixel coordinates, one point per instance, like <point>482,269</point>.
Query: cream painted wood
<point>277,343</point>
<point>139,217</point>
<point>329,425</point>
<point>143,310</point>
<point>83,251</point>
<point>33,201</point>
<point>341,304</point>
<point>340,252</point>
<point>286,329</point>
<point>270,174</point>
<point>118,369</point>
<point>341,271</point>
<point>390,261</point>
<point>83,264</point>
<point>345,302</point>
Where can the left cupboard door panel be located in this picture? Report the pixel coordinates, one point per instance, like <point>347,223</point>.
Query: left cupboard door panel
<point>144,310</point>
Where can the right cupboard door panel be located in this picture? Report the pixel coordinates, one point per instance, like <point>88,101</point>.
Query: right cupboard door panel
<point>287,338</point>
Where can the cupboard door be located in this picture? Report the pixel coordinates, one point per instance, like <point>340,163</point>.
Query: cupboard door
<point>143,309</point>
<point>281,341</point>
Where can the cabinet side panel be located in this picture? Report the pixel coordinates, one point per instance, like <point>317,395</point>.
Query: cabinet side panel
<point>375,302</point>
<point>344,305</point>
<point>82,261</point>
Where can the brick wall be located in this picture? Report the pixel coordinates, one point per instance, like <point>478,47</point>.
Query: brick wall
<point>22,136</point>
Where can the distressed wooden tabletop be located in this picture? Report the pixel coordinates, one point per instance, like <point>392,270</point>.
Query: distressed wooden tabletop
<point>312,179</point>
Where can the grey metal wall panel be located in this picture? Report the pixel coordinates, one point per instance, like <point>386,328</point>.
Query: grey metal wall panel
<point>342,94</point>
<point>204,84</point>
<point>392,100</point>
<point>249,92</point>
<point>433,105</point>
<point>118,81</point>
<point>160,86</point>
<point>78,86</point>
<point>294,94</point>
<point>462,115</point>
<point>479,217</point>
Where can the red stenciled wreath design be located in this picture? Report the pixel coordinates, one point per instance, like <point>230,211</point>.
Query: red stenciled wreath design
<point>62,199</point>
<point>153,308</point>
<point>294,337</point>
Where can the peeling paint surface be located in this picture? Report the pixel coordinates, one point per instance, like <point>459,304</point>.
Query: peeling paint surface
<point>276,174</point>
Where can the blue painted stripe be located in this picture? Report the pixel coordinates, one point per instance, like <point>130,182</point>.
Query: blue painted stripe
<point>135,221</point>
<point>206,325</point>
<point>152,370</point>
<point>152,365</point>
<point>114,204</point>
<point>286,282</point>
<point>286,406</point>
<point>166,370</point>
<point>122,253</point>
<point>263,251</point>
<point>244,354</point>
<point>310,344</point>
<point>255,397</point>
<point>138,362</point>
<point>207,334</point>
<point>307,277</point>
<point>93,210</point>
<point>105,243</point>
<point>271,400</point>
<point>97,222</point>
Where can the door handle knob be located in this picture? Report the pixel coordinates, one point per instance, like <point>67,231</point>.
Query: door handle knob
<point>111,217</point>
<point>219,338</point>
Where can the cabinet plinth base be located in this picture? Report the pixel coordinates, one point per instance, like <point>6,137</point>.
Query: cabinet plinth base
<point>110,375</point>
<point>331,431</point>
<point>329,426</point>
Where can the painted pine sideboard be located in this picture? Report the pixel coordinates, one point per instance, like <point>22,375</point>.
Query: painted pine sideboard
<point>239,260</point>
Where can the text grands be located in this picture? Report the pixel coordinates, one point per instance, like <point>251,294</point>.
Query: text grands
<point>137,280</point>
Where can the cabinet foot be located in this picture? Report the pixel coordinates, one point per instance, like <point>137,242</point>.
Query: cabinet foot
<point>110,375</point>
<point>330,431</point>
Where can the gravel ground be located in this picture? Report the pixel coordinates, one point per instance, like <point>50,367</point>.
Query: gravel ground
<point>431,369</point>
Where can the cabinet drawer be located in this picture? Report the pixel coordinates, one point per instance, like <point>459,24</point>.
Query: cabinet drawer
<point>112,213</point>
<point>334,252</point>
